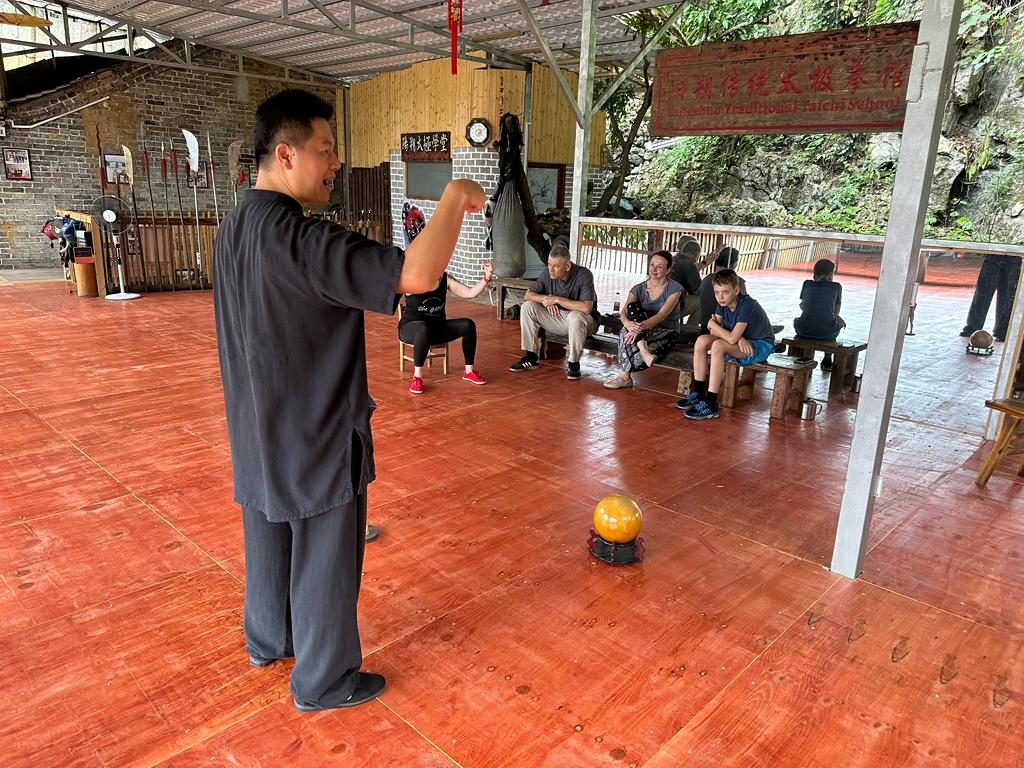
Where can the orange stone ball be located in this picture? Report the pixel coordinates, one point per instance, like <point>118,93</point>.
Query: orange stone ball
<point>618,519</point>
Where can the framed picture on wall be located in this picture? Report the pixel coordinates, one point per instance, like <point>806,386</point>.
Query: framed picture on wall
<point>200,179</point>
<point>17,164</point>
<point>547,185</point>
<point>116,168</point>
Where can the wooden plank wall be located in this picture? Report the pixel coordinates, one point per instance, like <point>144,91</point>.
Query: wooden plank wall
<point>371,202</point>
<point>426,97</point>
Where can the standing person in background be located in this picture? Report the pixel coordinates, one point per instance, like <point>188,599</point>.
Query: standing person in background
<point>289,297</point>
<point>998,276</point>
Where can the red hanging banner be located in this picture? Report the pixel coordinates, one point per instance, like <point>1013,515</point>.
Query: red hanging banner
<point>455,27</point>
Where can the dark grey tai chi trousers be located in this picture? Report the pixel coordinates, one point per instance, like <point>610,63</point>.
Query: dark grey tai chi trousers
<point>301,588</point>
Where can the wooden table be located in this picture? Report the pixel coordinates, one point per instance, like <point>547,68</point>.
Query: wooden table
<point>1013,414</point>
<point>506,284</point>
<point>845,355</point>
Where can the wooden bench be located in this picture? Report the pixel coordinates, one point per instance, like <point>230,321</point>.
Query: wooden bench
<point>506,284</point>
<point>680,358</point>
<point>1005,443</point>
<point>792,376</point>
<point>845,355</point>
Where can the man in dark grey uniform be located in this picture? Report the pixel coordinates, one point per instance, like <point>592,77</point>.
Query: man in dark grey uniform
<point>289,295</point>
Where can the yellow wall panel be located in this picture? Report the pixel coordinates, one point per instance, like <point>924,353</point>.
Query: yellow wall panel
<point>427,97</point>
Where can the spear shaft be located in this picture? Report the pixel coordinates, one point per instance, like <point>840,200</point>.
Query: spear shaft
<point>181,211</point>
<point>213,178</point>
<point>152,207</point>
<point>167,219</point>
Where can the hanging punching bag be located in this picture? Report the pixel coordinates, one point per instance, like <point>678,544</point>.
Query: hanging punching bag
<point>506,227</point>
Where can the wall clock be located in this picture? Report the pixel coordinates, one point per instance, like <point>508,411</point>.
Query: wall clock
<point>478,132</point>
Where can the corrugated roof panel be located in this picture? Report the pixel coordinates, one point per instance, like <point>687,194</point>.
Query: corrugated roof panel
<point>254,34</point>
<point>498,24</point>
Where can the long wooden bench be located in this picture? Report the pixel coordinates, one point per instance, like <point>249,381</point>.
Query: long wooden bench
<point>680,358</point>
<point>845,355</point>
<point>792,376</point>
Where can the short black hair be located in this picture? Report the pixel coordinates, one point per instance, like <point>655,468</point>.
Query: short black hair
<point>287,117</point>
<point>727,258</point>
<point>824,268</point>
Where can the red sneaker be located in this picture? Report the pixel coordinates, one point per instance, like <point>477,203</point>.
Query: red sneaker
<point>416,385</point>
<point>474,378</point>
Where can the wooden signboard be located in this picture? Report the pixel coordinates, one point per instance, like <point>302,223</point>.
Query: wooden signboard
<point>825,82</point>
<point>431,147</point>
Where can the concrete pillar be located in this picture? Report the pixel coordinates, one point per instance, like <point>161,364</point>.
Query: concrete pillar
<point>927,91</point>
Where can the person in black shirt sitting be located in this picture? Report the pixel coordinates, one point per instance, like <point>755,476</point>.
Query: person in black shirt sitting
<point>686,272</point>
<point>424,324</point>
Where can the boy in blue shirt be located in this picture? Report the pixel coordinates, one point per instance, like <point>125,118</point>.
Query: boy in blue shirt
<point>738,330</point>
<point>820,302</point>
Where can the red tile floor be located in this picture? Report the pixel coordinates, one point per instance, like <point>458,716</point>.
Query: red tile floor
<point>503,642</point>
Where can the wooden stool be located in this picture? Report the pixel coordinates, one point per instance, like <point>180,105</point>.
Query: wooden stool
<point>1013,414</point>
<point>845,355</point>
<point>436,351</point>
<point>791,380</point>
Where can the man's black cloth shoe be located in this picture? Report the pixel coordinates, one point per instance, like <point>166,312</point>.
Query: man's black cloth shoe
<point>965,333</point>
<point>259,661</point>
<point>368,687</point>
<point>572,371</point>
<point>525,363</point>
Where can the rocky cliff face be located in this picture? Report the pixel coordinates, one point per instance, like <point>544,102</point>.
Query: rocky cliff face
<point>844,182</point>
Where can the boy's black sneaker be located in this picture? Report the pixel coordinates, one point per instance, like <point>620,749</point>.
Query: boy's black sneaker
<point>526,363</point>
<point>826,364</point>
<point>572,371</point>
<point>701,411</point>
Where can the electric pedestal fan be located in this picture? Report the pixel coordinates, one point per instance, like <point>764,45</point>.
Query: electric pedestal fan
<point>114,215</point>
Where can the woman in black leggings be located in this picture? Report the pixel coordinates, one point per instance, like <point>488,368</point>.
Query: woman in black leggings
<point>424,324</point>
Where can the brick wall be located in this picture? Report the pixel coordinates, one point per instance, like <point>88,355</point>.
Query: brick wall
<point>481,165</point>
<point>156,99</point>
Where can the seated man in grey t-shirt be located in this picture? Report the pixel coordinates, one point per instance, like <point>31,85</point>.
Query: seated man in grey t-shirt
<point>563,301</point>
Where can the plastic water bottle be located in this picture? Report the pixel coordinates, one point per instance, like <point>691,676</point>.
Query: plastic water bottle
<point>618,303</point>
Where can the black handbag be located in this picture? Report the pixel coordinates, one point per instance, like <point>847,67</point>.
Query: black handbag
<point>635,312</point>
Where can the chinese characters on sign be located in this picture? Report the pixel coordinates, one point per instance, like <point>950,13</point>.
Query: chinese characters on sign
<point>433,147</point>
<point>839,81</point>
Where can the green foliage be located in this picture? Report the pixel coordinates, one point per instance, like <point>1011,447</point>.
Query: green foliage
<point>1004,190</point>
<point>711,21</point>
<point>828,181</point>
<point>985,35</point>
